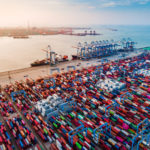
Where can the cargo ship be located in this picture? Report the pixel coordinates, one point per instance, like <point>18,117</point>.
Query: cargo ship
<point>39,63</point>
<point>47,61</point>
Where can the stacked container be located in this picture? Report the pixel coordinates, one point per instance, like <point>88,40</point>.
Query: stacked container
<point>6,107</point>
<point>5,139</point>
<point>24,137</point>
<point>44,130</point>
<point>29,92</point>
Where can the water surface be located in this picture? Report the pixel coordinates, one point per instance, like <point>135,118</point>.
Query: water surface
<point>19,53</point>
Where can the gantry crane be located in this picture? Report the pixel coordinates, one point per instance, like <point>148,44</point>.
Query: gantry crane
<point>50,55</point>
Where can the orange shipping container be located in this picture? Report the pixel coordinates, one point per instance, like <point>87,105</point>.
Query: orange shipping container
<point>22,133</point>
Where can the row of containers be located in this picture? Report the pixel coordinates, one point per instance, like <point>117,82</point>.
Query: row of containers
<point>6,106</point>
<point>5,139</point>
<point>19,133</point>
<point>106,106</point>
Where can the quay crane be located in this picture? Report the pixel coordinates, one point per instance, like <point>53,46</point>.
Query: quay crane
<point>50,55</point>
<point>127,44</point>
<point>98,49</point>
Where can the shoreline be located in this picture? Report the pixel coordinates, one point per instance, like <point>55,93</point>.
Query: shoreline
<point>32,68</point>
<point>8,77</point>
<point>32,72</point>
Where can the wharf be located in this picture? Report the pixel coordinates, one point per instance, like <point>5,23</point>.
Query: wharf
<point>43,71</point>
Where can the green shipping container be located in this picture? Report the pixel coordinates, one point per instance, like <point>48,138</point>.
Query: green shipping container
<point>61,117</point>
<point>80,136</point>
<point>41,147</point>
<point>113,119</point>
<point>141,101</point>
<point>128,139</point>
<point>90,87</point>
<point>133,126</point>
<point>111,112</point>
<point>78,146</point>
<point>130,98</point>
<point>119,78</point>
<point>90,130</point>
<point>93,106</point>
<point>81,140</point>
<point>55,125</point>
<point>140,81</point>
<point>129,130</point>
<point>69,123</point>
<point>45,131</point>
<point>58,121</point>
<point>71,115</point>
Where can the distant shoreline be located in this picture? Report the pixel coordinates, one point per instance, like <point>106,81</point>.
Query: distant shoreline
<point>29,31</point>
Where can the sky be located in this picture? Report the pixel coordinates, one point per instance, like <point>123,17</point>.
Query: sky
<point>73,12</point>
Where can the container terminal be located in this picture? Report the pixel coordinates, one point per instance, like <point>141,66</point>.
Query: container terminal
<point>87,51</point>
<point>101,106</point>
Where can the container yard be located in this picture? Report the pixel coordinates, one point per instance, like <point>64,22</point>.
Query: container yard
<point>24,137</point>
<point>105,106</point>
<point>5,138</point>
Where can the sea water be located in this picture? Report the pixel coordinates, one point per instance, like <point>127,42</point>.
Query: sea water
<point>19,53</point>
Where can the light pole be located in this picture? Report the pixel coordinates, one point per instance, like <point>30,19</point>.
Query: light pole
<point>9,77</point>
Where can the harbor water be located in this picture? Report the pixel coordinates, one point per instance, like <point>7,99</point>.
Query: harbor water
<point>19,53</point>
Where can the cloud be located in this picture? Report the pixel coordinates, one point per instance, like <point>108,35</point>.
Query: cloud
<point>114,3</point>
<point>143,2</point>
<point>109,4</point>
<point>91,7</point>
<point>91,4</point>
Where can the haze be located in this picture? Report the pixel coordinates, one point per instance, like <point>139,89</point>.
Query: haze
<point>73,12</point>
